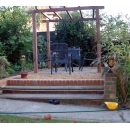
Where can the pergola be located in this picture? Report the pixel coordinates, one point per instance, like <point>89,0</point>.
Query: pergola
<point>55,10</point>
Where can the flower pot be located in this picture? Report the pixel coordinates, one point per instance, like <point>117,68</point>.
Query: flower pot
<point>24,75</point>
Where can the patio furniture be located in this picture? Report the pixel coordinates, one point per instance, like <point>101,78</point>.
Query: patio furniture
<point>91,59</point>
<point>61,56</point>
<point>42,60</point>
<point>76,56</point>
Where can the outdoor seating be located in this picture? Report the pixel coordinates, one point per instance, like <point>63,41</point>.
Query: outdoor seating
<point>59,56</point>
<point>91,59</point>
<point>42,60</point>
<point>76,56</point>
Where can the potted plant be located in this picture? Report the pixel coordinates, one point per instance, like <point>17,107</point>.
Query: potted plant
<point>24,72</point>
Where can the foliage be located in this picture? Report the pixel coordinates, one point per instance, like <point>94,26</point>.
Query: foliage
<point>42,51</point>
<point>76,33</point>
<point>16,67</point>
<point>42,45</point>
<point>116,42</point>
<point>4,66</point>
<point>25,66</point>
<point>15,35</point>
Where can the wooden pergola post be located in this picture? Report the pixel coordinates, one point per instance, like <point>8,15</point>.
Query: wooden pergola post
<point>48,43</point>
<point>98,39</point>
<point>35,58</point>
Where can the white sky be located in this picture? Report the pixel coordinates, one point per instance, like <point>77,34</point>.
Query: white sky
<point>111,6</point>
<point>117,9</point>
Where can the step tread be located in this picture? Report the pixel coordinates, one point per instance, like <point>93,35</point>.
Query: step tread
<point>54,90</point>
<point>54,96</point>
<point>55,87</point>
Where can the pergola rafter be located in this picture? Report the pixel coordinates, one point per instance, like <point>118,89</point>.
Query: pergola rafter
<point>95,16</point>
<point>93,12</point>
<point>56,13</point>
<point>68,13</point>
<point>80,12</point>
<point>43,13</point>
<point>74,19</point>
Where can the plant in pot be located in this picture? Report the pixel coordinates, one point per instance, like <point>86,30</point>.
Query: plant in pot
<point>24,72</point>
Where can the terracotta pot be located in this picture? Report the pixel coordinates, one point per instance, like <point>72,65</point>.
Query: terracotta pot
<point>47,117</point>
<point>24,75</point>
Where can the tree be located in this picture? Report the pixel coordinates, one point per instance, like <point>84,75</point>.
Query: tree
<point>15,32</point>
<point>76,33</point>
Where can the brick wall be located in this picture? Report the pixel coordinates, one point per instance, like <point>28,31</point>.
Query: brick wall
<point>3,83</point>
<point>110,86</point>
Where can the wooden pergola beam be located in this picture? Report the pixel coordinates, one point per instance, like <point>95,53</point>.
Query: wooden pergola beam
<point>68,13</point>
<point>66,20</point>
<point>80,12</point>
<point>98,40</point>
<point>43,13</point>
<point>35,57</point>
<point>48,44</point>
<point>56,13</point>
<point>65,9</point>
<point>46,16</point>
<point>93,12</point>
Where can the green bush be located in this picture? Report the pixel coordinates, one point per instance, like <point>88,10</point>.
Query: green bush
<point>116,42</point>
<point>15,32</point>
<point>4,66</point>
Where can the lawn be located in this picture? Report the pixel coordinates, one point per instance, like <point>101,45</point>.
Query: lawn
<point>16,119</point>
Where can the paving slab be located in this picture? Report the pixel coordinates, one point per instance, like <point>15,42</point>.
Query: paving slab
<point>72,112</point>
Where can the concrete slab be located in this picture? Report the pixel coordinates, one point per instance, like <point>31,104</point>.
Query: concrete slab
<point>53,96</point>
<point>72,112</point>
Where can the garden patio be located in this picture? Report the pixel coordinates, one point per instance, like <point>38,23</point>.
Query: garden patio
<point>115,41</point>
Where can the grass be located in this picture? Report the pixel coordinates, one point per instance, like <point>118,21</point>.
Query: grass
<point>17,119</point>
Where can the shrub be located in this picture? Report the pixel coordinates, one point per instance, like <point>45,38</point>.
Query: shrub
<point>4,65</point>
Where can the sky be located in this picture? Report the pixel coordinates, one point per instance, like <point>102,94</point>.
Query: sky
<point>111,6</point>
<point>117,9</point>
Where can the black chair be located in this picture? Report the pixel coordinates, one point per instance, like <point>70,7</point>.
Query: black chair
<point>91,59</point>
<point>59,56</point>
<point>76,56</point>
